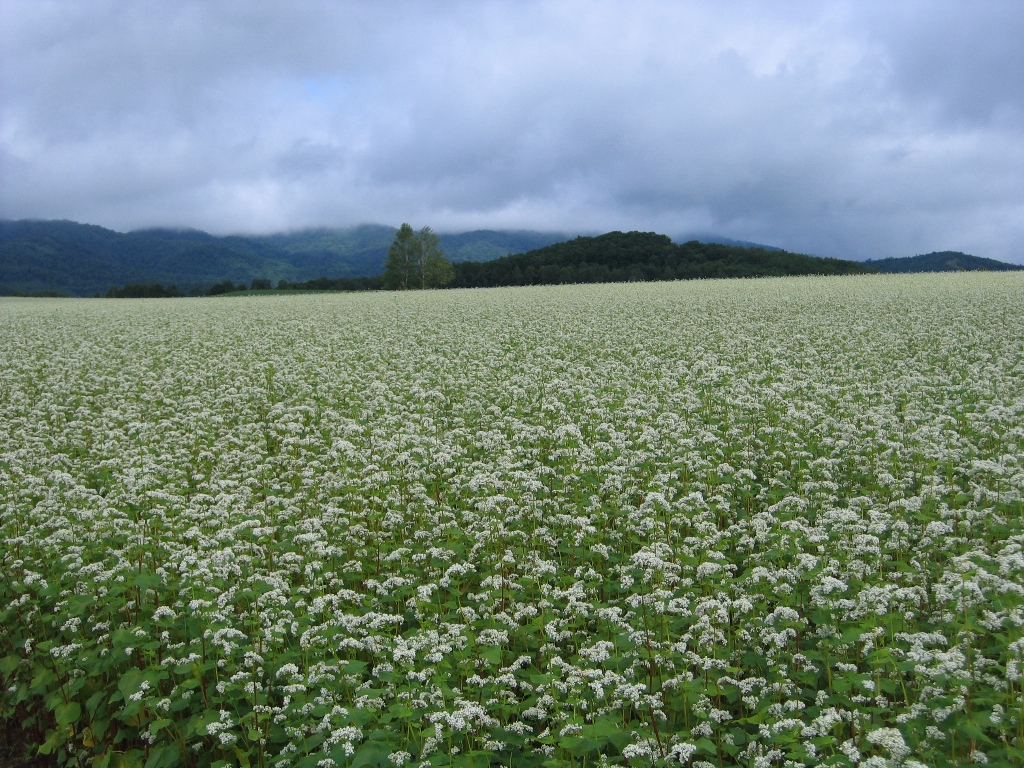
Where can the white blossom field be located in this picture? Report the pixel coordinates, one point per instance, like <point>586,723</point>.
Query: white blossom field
<point>770,522</point>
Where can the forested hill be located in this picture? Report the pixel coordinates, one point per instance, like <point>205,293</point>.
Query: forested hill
<point>941,261</point>
<point>635,256</point>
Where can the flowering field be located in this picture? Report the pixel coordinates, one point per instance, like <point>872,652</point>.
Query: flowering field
<point>757,523</point>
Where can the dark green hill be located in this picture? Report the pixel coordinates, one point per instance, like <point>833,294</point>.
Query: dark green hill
<point>941,261</point>
<point>723,241</point>
<point>635,256</point>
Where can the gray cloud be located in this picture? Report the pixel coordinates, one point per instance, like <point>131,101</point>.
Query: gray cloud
<point>847,129</point>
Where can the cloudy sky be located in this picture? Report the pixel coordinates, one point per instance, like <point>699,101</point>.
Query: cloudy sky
<point>859,129</point>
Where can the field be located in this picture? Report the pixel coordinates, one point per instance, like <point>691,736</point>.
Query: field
<point>768,522</point>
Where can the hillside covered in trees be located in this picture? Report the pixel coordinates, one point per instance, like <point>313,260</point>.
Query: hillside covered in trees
<point>634,256</point>
<point>941,261</point>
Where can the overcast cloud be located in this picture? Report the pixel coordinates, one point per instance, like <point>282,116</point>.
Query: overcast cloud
<point>861,129</point>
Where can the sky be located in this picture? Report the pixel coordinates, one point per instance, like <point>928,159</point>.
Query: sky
<point>851,129</point>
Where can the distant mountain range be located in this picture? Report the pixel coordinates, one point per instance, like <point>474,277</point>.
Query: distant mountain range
<point>84,259</point>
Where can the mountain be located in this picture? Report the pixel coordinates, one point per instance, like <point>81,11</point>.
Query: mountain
<point>704,238</point>
<point>636,256</point>
<point>84,259</point>
<point>487,244</point>
<point>941,261</point>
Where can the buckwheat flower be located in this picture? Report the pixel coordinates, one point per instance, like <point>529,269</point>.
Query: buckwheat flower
<point>143,687</point>
<point>891,740</point>
<point>64,651</point>
<point>681,752</point>
<point>642,748</point>
<point>997,713</point>
<point>702,730</point>
<point>495,637</point>
<point>849,749</point>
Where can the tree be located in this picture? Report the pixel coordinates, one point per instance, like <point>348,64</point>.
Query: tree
<point>403,257</point>
<point>415,260</point>
<point>435,270</point>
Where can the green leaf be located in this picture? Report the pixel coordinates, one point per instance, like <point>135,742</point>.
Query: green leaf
<point>707,746</point>
<point>146,581</point>
<point>372,753</point>
<point>94,701</point>
<point>971,730</point>
<point>130,682</point>
<point>198,725</point>
<point>43,678</point>
<point>51,743</point>
<point>68,713</point>
<point>164,756</point>
<point>475,759</point>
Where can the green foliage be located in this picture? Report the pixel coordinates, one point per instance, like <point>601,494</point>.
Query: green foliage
<point>5,291</point>
<point>375,283</point>
<point>435,270</point>
<point>415,260</point>
<point>144,291</point>
<point>224,287</point>
<point>401,268</point>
